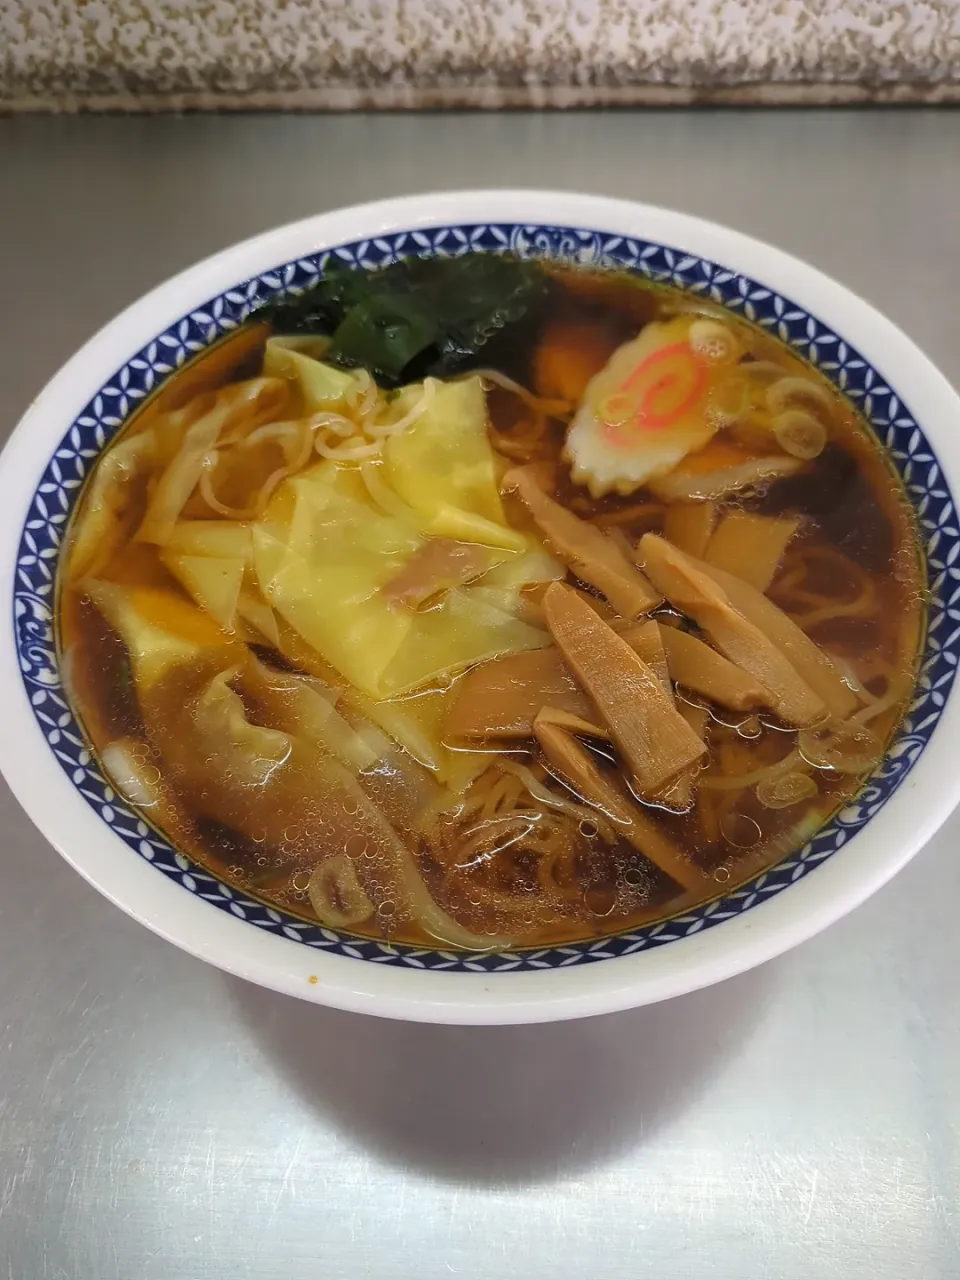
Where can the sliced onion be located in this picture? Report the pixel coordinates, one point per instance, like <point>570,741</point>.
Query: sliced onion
<point>847,747</point>
<point>713,341</point>
<point>336,894</point>
<point>787,790</point>
<point>799,433</point>
<point>790,392</point>
<point>763,370</point>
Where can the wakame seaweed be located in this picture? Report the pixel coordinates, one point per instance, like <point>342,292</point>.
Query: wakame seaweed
<point>416,317</point>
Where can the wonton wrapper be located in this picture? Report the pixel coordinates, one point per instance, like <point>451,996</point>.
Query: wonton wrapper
<point>105,518</point>
<point>227,538</point>
<point>159,629</point>
<point>322,386</point>
<point>322,568</point>
<point>443,467</point>
<point>259,781</point>
<point>213,581</point>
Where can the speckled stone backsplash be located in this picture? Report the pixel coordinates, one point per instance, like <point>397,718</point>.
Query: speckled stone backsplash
<point>342,54</point>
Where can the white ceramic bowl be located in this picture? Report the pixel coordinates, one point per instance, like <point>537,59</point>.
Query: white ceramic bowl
<point>44,758</point>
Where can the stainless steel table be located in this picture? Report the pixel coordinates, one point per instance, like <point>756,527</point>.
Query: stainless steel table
<point>159,1121</point>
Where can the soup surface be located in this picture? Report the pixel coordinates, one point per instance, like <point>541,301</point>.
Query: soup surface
<point>479,603</point>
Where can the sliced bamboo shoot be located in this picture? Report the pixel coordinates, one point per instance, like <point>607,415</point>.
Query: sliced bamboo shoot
<point>681,794</point>
<point>688,525</point>
<point>808,659</point>
<point>749,546</point>
<point>500,699</point>
<point>689,586</point>
<point>701,670</point>
<point>574,763</point>
<point>593,557</point>
<point>655,741</point>
<point>645,640</point>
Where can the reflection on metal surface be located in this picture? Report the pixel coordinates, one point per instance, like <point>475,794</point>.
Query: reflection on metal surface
<point>503,1105</point>
<point>161,1122</point>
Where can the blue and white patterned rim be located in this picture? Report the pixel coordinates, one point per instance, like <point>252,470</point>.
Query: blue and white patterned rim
<point>49,512</point>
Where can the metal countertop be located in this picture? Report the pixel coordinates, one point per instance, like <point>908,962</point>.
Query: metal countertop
<point>161,1121</point>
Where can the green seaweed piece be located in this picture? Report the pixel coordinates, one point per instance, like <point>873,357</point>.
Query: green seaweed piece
<point>416,317</point>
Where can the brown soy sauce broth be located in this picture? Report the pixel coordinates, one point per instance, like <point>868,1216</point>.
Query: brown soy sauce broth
<point>856,548</point>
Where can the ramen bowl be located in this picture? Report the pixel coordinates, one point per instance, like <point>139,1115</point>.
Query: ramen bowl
<point>52,770</point>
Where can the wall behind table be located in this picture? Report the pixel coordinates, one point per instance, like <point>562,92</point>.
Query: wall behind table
<point>343,54</point>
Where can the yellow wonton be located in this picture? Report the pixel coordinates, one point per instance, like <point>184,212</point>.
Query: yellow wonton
<point>415,722</point>
<point>213,581</point>
<point>226,538</point>
<point>104,522</point>
<point>254,610</point>
<point>250,753</point>
<point>323,572</point>
<point>321,385</point>
<point>322,569</point>
<point>443,467</point>
<point>535,565</point>
<point>160,630</point>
